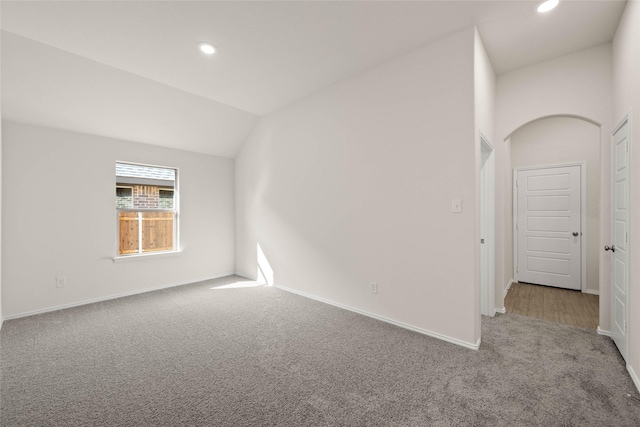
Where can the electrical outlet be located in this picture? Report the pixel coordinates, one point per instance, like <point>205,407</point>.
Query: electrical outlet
<point>61,282</point>
<point>374,288</point>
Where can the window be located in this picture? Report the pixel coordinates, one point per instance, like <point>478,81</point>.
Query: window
<point>124,197</point>
<point>166,198</point>
<point>146,207</point>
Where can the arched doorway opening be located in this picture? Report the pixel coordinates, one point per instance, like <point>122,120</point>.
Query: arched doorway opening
<point>549,141</point>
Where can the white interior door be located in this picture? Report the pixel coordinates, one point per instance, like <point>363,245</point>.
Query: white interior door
<point>620,235</point>
<point>548,226</point>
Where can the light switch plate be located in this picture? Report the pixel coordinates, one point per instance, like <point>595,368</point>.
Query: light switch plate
<point>456,205</point>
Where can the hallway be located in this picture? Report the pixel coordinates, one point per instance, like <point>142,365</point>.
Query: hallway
<point>553,304</point>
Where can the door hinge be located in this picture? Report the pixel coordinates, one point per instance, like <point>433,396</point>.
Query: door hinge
<point>516,182</point>
<point>627,146</point>
<point>626,327</point>
<point>626,236</point>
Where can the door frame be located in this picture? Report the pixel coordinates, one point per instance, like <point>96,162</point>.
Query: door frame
<point>625,120</point>
<point>487,228</point>
<point>583,216</point>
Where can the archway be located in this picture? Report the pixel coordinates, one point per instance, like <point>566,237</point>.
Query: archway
<point>557,140</point>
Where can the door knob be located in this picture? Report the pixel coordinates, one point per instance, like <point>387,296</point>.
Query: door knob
<point>575,234</point>
<point>612,248</point>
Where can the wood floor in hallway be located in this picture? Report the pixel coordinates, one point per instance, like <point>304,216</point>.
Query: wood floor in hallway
<point>554,304</point>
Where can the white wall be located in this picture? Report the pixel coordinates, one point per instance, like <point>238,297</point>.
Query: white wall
<point>51,87</point>
<point>626,96</point>
<point>355,183</point>
<point>484,90</point>
<point>578,84</point>
<point>1,316</point>
<point>504,274</point>
<point>484,110</point>
<point>558,140</point>
<point>59,219</point>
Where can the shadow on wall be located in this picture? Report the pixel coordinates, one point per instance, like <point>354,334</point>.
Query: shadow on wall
<point>264,276</point>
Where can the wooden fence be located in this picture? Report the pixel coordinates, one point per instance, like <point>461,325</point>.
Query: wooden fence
<point>154,228</point>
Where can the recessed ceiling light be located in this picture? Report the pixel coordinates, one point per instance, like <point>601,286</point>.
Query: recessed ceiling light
<point>547,5</point>
<point>207,48</point>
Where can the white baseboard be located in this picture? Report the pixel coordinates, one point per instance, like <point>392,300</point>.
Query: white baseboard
<point>110,297</point>
<point>634,377</point>
<point>603,332</point>
<point>591,292</point>
<point>475,346</point>
<point>503,310</point>
<point>507,288</point>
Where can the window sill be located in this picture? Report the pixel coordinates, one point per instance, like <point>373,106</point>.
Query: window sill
<point>136,257</point>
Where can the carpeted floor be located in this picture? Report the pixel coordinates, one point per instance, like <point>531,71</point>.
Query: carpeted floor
<point>259,356</point>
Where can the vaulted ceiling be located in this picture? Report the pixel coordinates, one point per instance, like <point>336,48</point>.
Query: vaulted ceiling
<point>131,70</point>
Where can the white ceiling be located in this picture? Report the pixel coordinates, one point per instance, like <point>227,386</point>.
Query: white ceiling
<point>270,54</point>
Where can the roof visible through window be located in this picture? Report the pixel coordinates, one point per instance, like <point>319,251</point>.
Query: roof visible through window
<point>149,172</point>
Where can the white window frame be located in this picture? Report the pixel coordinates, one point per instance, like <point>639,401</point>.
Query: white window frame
<point>118,257</point>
